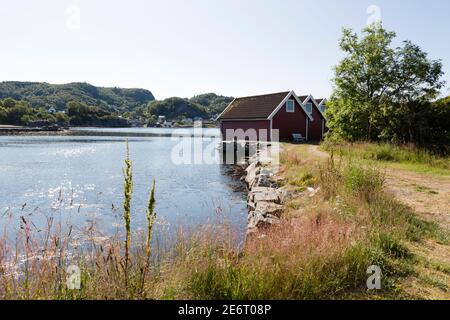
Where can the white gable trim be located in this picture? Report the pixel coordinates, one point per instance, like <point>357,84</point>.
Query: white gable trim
<point>226,109</point>
<point>310,97</point>
<point>322,103</point>
<point>324,100</point>
<point>290,94</point>
<point>307,129</point>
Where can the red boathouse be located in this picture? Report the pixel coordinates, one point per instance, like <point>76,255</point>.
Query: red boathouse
<point>317,127</point>
<point>266,113</point>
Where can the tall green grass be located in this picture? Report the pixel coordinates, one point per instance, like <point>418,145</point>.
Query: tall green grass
<point>127,195</point>
<point>110,268</point>
<point>321,252</point>
<point>416,158</point>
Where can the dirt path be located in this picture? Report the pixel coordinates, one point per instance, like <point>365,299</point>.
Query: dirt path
<point>315,151</point>
<point>428,195</point>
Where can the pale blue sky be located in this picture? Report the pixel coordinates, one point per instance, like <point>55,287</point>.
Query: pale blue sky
<point>188,47</point>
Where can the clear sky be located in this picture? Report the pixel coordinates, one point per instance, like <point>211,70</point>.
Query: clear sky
<point>188,47</point>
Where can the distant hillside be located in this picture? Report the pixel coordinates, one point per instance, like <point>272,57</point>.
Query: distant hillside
<point>176,108</point>
<point>213,103</point>
<point>205,106</point>
<point>41,94</point>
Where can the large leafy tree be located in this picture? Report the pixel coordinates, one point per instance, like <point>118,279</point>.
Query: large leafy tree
<point>378,88</point>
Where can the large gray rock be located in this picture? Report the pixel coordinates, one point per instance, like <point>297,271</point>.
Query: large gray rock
<point>263,199</point>
<point>266,171</point>
<point>269,208</point>
<point>271,219</point>
<point>269,196</point>
<point>257,220</point>
<point>252,172</point>
<point>261,189</point>
<point>285,195</point>
<point>264,181</point>
<point>256,190</point>
<point>254,219</point>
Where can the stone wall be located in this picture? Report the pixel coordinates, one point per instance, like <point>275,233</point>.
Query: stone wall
<point>265,199</point>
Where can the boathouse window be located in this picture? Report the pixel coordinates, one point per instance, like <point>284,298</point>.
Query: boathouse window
<point>290,106</point>
<point>308,107</point>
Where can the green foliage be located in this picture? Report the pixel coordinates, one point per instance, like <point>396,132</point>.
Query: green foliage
<point>299,272</point>
<point>97,106</point>
<point>18,114</point>
<point>21,113</point>
<point>321,254</point>
<point>386,93</point>
<point>61,117</point>
<point>204,106</point>
<point>213,103</point>
<point>389,153</point>
<point>81,114</point>
<point>151,216</point>
<point>362,181</point>
<point>392,247</point>
<point>176,108</point>
<point>127,195</point>
<point>3,115</point>
<point>304,179</point>
<point>57,96</point>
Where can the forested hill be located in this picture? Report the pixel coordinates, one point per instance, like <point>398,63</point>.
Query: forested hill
<point>207,105</point>
<point>214,104</point>
<point>41,94</point>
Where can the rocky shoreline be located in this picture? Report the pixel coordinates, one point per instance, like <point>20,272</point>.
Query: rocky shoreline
<point>265,200</point>
<point>20,130</point>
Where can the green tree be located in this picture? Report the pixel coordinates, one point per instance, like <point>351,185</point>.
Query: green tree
<point>79,113</point>
<point>377,87</point>
<point>416,84</point>
<point>9,103</point>
<point>61,118</point>
<point>19,114</point>
<point>3,115</point>
<point>175,108</point>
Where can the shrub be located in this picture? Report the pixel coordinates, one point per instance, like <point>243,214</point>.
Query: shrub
<point>3,115</point>
<point>392,246</point>
<point>363,181</point>
<point>318,254</point>
<point>384,153</point>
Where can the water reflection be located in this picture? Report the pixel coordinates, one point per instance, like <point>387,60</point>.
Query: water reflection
<point>77,180</point>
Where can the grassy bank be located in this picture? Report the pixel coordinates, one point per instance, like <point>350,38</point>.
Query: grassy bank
<point>403,157</point>
<point>320,250</point>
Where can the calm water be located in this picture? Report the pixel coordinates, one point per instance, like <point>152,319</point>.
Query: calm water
<point>78,180</point>
<point>206,132</point>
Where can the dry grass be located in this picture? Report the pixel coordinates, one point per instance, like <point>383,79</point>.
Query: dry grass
<point>321,252</point>
<point>325,247</point>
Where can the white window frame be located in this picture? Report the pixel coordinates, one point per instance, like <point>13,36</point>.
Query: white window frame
<point>293,106</point>
<point>306,107</point>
